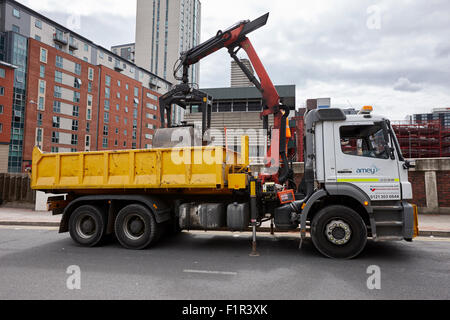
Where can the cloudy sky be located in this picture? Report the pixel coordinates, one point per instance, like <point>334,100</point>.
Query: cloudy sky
<point>392,54</point>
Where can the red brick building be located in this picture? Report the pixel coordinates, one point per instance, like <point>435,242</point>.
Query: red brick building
<point>77,106</point>
<point>6,101</point>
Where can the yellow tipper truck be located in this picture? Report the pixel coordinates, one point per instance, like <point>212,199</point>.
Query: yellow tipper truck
<point>355,184</point>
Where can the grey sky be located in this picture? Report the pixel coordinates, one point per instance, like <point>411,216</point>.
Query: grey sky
<point>394,55</point>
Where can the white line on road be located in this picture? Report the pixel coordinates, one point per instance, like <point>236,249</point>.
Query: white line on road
<point>211,272</point>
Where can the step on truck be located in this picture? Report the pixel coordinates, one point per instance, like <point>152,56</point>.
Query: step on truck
<point>355,183</point>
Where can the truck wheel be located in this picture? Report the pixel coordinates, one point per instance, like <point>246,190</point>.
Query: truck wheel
<point>87,225</point>
<point>136,228</point>
<point>339,232</point>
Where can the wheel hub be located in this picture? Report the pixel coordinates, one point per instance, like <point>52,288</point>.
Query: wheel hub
<point>338,232</point>
<point>134,227</point>
<point>86,227</point>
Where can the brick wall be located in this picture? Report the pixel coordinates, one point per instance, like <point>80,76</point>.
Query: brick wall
<point>443,185</point>
<point>417,179</point>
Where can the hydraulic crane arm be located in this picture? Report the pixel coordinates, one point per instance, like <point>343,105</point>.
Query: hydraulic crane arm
<point>234,39</point>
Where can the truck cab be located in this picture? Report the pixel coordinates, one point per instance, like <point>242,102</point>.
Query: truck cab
<point>355,175</point>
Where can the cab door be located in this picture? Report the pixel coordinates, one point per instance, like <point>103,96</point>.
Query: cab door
<point>363,159</point>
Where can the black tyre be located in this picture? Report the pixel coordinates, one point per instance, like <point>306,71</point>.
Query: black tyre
<point>339,232</point>
<point>87,225</point>
<point>136,228</point>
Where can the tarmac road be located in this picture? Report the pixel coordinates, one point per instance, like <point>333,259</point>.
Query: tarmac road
<point>198,265</point>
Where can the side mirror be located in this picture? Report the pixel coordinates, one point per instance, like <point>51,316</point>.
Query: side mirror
<point>409,164</point>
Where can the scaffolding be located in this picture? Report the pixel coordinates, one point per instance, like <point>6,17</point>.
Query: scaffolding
<point>423,139</point>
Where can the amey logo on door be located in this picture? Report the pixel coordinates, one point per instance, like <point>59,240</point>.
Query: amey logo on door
<point>372,170</point>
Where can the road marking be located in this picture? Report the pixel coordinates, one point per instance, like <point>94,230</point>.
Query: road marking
<point>211,272</point>
<point>28,228</point>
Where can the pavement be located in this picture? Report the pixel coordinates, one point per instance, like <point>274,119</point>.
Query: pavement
<point>39,263</point>
<point>429,225</point>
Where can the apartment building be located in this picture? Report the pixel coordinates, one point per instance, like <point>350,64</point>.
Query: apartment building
<point>6,101</point>
<point>126,51</point>
<point>71,94</point>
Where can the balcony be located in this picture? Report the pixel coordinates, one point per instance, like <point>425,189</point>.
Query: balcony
<point>59,38</point>
<point>118,67</point>
<point>73,45</point>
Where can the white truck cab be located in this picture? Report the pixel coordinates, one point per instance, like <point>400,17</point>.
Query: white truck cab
<point>355,184</point>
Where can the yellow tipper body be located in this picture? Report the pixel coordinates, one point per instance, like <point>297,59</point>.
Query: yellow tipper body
<point>190,168</point>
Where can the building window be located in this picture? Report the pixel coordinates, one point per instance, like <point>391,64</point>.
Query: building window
<point>55,150</point>
<point>105,130</point>
<point>91,74</point>
<point>56,106</point>
<point>41,104</point>
<point>135,113</point>
<point>2,73</point>
<point>105,143</point>
<point>88,141</point>
<point>125,132</point>
<point>41,86</point>
<point>56,122</point>
<point>85,59</point>
<point>124,143</point>
<point>77,68</point>
<point>126,109</point>
<point>118,95</point>
<point>106,117</point>
<point>116,143</point>
<point>39,119</point>
<point>16,13</point>
<point>58,92</point>
<point>42,71</point>
<point>37,38</point>
<point>125,121</point>
<point>117,130</point>
<point>39,136</point>
<point>74,125</point>
<point>118,83</point>
<point>15,28</point>
<point>74,140</point>
<point>59,62</point>
<point>101,55</point>
<point>86,47</point>
<point>1,109</point>
<point>117,119</point>
<point>108,80</point>
<point>43,55</point>
<point>38,24</point>
<point>55,137</point>
<point>107,93</point>
<point>89,100</point>
<point>88,127</point>
<point>58,76</point>
<point>77,83</point>
<point>76,111</point>
<point>151,96</point>
<point>2,91</point>
<point>136,91</point>
<point>106,105</point>
<point>76,97</point>
<point>117,107</point>
<point>90,87</point>
<point>89,114</point>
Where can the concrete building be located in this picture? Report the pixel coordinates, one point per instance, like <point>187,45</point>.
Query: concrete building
<point>237,110</point>
<point>238,77</point>
<point>70,94</point>
<point>126,51</point>
<point>164,29</point>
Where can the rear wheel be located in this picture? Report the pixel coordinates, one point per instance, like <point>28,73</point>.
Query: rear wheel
<point>136,228</point>
<point>339,232</point>
<point>87,225</point>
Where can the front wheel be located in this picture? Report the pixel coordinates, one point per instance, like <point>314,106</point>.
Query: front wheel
<point>339,232</point>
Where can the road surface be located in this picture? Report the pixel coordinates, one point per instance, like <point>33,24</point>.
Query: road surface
<point>34,264</point>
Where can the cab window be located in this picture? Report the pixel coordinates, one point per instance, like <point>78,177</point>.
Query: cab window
<point>364,141</point>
